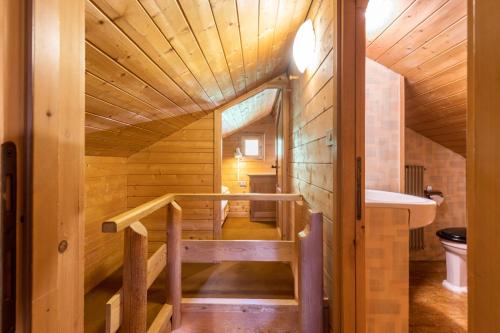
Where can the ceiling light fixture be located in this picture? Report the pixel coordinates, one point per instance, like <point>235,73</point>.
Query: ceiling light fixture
<point>303,46</point>
<point>378,14</point>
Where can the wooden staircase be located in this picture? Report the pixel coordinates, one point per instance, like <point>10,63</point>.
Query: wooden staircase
<point>127,308</point>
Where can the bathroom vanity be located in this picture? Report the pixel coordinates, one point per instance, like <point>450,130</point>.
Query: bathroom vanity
<point>389,218</point>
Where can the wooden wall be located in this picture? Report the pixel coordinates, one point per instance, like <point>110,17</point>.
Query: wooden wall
<point>105,196</point>
<point>313,114</point>
<point>264,126</point>
<point>483,172</point>
<point>384,128</point>
<point>444,171</point>
<point>58,166</point>
<point>183,163</point>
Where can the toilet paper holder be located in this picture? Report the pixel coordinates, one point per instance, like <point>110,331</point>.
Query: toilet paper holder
<point>430,192</point>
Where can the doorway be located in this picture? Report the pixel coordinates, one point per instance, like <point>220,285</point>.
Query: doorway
<point>254,161</point>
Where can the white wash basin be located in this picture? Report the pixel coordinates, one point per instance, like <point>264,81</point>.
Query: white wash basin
<point>422,210</point>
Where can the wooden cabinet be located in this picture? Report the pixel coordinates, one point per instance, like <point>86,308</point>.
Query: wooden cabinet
<point>262,210</point>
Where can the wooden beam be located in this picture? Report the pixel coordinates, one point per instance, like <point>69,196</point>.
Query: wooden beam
<point>209,251</point>
<point>135,291</point>
<point>278,82</point>
<point>174,262</point>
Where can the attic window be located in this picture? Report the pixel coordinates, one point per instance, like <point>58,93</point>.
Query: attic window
<point>253,146</point>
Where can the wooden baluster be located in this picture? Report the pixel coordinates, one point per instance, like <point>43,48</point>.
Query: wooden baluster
<point>296,212</point>
<point>135,289</point>
<point>311,275</point>
<point>174,261</point>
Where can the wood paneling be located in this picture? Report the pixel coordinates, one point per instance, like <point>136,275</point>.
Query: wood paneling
<point>444,171</point>
<point>57,218</point>
<point>313,114</point>
<point>483,172</point>
<point>248,111</point>
<point>264,126</point>
<point>426,41</point>
<point>183,162</point>
<point>105,197</point>
<point>154,66</point>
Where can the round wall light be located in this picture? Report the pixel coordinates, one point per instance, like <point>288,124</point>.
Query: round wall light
<point>378,14</point>
<point>303,46</point>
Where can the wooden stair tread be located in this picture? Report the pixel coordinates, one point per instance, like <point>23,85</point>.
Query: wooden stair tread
<point>245,305</point>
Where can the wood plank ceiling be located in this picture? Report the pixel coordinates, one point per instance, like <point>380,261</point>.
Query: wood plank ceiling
<point>426,41</point>
<point>154,66</point>
<point>248,111</point>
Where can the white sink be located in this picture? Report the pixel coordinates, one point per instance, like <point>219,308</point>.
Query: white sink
<point>422,210</point>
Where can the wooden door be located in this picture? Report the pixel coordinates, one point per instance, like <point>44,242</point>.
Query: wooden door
<point>349,296</point>
<point>262,210</point>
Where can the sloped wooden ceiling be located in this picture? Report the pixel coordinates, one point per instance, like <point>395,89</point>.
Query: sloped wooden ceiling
<point>154,66</point>
<point>248,111</point>
<point>426,41</point>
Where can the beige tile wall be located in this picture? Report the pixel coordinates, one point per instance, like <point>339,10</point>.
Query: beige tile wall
<point>384,128</point>
<point>445,171</point>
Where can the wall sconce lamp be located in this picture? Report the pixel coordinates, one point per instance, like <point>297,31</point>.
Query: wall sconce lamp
<point>238,156</point>
<point>304,45</point>
<point>378,13</point>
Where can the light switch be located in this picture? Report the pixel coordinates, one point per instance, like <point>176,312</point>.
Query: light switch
<point>330,139</point>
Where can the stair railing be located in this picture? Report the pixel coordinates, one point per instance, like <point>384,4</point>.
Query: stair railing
<point>128,308</point>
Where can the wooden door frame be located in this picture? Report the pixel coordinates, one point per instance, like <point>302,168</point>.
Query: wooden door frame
<point>279,82</point>
<point>55,163</point>
<point>348,306</point>
<point>483,165</point>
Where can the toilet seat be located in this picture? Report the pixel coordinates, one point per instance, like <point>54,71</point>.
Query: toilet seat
<point>457,235</point>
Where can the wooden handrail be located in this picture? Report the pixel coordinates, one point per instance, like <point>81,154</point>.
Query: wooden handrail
<point>122,221</point>
<point>125,219</point>
<point>127,308</point>
<point>239,196</point>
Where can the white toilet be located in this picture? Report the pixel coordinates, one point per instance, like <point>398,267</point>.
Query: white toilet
<point>454,241</point>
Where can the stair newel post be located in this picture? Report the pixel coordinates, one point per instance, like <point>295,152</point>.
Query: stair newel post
<point>174,261</point>
<point>135,279</point>
<point>311,274</point>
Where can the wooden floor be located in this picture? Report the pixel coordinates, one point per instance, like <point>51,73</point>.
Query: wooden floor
<point>433,309</point>
<point>230,279</point>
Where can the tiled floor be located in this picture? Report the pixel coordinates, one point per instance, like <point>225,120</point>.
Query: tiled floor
<point>433,309</point>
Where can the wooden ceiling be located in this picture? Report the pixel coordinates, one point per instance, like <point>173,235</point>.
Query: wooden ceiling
<point>154,66</point>
<point>426,41</point>
<point>248,111</point>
